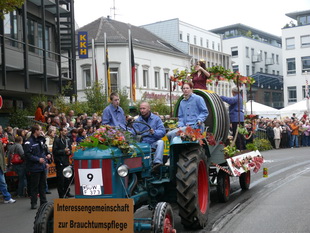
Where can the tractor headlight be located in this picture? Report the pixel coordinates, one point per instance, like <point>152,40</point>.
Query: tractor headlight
<point>67,172</point>
<point>123,170</point>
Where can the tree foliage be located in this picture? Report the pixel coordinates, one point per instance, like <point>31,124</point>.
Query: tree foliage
<point>95,102</point>
<point>18,118</point>
<point>7,6</point>
<point>124,101</point>
<point>35,100</point>
<point>158,105</point>
<point>96,98</point>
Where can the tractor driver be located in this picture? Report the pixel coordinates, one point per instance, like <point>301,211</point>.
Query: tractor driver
<point>192,111</point>
<point>152,136</point>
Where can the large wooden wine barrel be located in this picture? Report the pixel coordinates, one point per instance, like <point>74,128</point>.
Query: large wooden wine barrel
<point>218,119</point>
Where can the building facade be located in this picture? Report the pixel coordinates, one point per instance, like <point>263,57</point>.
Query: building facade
<point>198,43</point>
<point>296,56</point>
<point>34,42</point>
<point>258,54</point>
<point>155,60</point>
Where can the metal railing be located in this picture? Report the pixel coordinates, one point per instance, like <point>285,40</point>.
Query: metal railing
<point>260,133</point>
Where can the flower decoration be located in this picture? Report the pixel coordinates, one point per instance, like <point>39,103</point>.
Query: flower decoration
<point>248,162</point>
<point>192,135</point>
<point>218,73</point>
<point>4,140</point>
<point>210,139</point>
<point>242,130</point>
<point>107,136</point>
<point>230,151</point>
<point>171,124</point>
<point>179,77</point>
<point>251,116</point>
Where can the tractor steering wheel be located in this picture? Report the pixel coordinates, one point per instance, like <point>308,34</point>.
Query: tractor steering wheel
<point>130,124</point>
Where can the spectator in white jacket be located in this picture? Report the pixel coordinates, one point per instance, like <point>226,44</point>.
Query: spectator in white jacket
<point>277,135</point>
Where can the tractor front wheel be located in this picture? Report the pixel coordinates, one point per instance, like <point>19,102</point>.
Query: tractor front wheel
<point>193,187</point>
<point>44,220</point>
<point>163,221</point>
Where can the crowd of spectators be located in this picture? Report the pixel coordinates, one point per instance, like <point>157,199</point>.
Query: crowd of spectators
<point>52,123</point>
<point>287,132</point>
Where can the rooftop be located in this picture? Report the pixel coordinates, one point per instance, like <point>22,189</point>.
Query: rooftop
<point>295,14</point>
<point>117,32</point>
<point>254,31</point>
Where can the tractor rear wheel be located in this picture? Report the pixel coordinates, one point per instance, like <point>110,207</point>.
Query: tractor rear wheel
<point>193,187</point>
<point>223,186</point>
<point>245,180</point>
<point>163,221</point>
<point>44,220</point>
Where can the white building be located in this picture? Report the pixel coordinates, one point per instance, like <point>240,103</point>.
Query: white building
<point>258,54</point>
<point>155,60</point>
<point>296,56</point>
<point>252,50</point>
<point>198,43</point>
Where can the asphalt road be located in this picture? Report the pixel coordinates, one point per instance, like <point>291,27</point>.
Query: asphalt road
<point>279,203</point>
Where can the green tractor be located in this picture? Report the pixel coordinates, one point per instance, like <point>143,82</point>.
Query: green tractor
<point>184,179</point>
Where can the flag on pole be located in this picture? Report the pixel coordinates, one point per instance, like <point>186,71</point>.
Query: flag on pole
<point>133,71</point>
<point>108,72</point>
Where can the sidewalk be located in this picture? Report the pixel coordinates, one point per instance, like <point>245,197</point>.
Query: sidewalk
<point>18,217</point>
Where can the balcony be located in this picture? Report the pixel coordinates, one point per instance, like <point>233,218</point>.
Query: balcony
<point>256,58</point>
<point>269,61</point>
<point>15,61</point>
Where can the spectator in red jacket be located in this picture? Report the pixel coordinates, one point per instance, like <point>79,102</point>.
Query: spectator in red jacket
<point>38,116</point>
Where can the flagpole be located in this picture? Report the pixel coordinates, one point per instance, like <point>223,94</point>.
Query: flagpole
<point>130,68</point>
<point>105,60</point>
<point>93,58</point>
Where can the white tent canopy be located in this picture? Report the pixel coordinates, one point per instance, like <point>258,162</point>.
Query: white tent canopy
<point>298,108</point>
<point>261,110</point>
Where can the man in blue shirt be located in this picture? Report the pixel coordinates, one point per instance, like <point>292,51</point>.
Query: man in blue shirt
<point>154,135</point>
<point>192,111</point>
<point>113,114</point>
<point>236,114</point>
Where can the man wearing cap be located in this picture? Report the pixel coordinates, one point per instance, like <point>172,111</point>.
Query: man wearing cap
<point>236,114</point>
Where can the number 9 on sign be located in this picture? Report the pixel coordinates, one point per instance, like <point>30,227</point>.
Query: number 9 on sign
<point>91,181</point>
<point>90,177</point>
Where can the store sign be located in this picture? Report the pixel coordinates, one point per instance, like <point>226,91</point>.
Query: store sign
<point>93,215</point>
<point>82,44</point>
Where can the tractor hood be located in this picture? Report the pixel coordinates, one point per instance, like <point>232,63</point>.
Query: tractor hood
<point>112,152</point>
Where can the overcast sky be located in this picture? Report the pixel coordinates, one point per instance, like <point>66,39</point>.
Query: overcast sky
<point>265,15</point>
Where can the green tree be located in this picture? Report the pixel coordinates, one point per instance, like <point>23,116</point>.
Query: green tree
<point>96,98</point>
<point>79,107</point>
<point>157,105</point>
<point>35,100</point>
<point>7,6</point>
<point>18,118</point>
<point>124,101</point>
